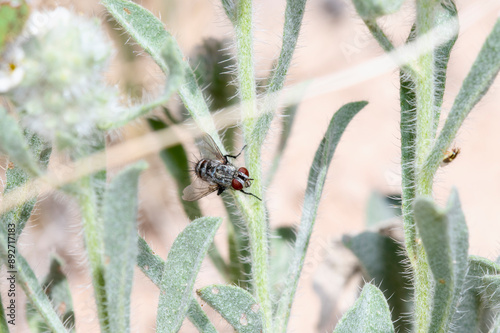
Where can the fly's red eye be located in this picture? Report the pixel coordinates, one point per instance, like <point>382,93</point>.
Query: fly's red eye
<point>243,171</point>
<point>236,184</point>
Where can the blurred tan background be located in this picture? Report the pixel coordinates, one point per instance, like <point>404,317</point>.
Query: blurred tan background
<point>332,39</point>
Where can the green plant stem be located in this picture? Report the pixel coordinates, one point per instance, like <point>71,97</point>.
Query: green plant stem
<point>94,243</point>
<point>252,209</point>
<point>423,77</point>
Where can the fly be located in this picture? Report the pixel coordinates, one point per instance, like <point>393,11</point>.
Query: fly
<point>214,172</point>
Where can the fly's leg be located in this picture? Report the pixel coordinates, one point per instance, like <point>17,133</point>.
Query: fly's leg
<point>226,156</point>
<point>220,190</point>
<point>253,195</point>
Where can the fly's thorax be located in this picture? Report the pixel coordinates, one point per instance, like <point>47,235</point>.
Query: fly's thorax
<point>215,172</point>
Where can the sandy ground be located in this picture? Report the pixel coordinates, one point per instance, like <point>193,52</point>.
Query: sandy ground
<point>365,161</point>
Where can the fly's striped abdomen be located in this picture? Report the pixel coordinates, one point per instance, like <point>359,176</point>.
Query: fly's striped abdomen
<point>215,172</point>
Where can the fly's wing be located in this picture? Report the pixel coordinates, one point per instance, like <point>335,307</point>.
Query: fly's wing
<point>198,189</point>
<point>209,149</point>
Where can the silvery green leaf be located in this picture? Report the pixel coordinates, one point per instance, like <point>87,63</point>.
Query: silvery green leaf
<point>445,238</point>
<point>153,267</point>
<point>369,314</point>
<point>315,184</point>
<point>381,260</point>
<point>473,314</point>
<point>181,268</point>
<point>236,305</point>
<point>119,214</point>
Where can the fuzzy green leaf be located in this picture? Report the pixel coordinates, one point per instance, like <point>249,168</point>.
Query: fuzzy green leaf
<point>474,87</point>
<point>491,290</point>
<point>199,319</point>
<point>369,314</point>
<point>371,9</point>
<point>13,144</point>
<point>315,183</point>
<point>382,260</point>
<point>473,314</point>
<point>151,35</point>
<point>12,19</point>
<point>181,268</point>
<point>153,267</point>
<point>288,119</point>
<point>445,238</point>
<point>236,305</point>
<point>22,274</point>
<point>56,287</point>
<point>231,9</point>
<point>294,13</point>
<point>150,263</point>
<point>442,55</point>
<point>120,243</point>
<point>382,208</point>
<point>282,241</point>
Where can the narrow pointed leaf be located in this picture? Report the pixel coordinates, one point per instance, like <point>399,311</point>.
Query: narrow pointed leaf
<point>236,305</point>
<point>282,241</point>
<point>181,268</point>
<point>445,238</point>
<point>442,54</point>
<point>231,9</point>
<point>474,87</point>
<point>120,243</point>
<point>382,260</point>
<point>56,287</point>
<point>288,119</point>
<point>14,145</point>
<point>150,34</point>
<point>18,268</point>
<point>153,267</point>
<point>473,314</point>
<point>294,13</point>
<point>315,183</point>
<point>369,314</point>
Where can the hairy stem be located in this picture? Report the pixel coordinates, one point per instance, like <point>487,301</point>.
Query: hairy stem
<point>423,77</point>
<point>94,243</point>
<point>253,210</point>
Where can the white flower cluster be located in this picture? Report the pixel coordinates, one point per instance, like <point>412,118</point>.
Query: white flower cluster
<point>57,76</point>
